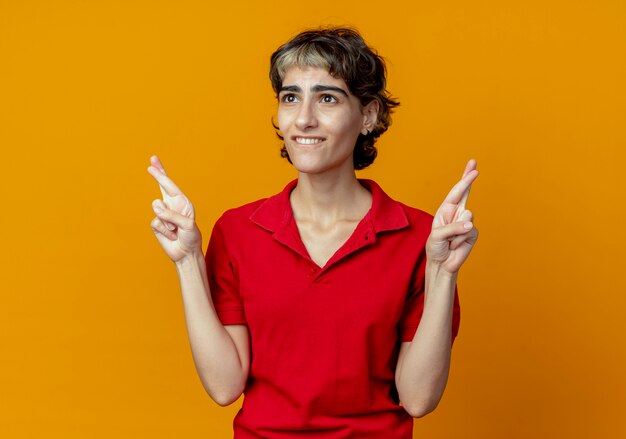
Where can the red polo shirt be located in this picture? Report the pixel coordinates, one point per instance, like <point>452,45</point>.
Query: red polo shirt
<point>324,341</point>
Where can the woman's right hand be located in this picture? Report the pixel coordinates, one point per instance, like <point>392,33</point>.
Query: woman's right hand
<point>174,225</point>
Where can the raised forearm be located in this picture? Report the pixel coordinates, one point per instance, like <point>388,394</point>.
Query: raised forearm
<point>214,352</point>
<point>423,374</point>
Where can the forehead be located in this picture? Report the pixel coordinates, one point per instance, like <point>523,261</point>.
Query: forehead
<point>297,75</point>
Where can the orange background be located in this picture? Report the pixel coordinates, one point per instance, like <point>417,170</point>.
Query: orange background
<point>93,337</point>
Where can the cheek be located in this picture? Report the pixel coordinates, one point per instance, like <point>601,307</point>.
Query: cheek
<point>283,120</point>
<point>346,126</point>
<point>334,122</point>
<point>280,120</point>
<point>350,120</point>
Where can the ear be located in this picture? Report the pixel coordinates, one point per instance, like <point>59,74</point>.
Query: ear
<point>370,116</point>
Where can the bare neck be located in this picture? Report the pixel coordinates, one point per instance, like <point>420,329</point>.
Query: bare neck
<point>327,199</point>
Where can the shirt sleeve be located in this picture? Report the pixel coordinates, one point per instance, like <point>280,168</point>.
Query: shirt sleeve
<point>414,306</point>
<point>223,280</point>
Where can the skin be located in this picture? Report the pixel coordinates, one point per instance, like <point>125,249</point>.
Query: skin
<point>453,234</point>
<point>424,363</point>
<point>328,202</point>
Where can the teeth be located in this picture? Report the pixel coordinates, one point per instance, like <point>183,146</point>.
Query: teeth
<point>307,141</point>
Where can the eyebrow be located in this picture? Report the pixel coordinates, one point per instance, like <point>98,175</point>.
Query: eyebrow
<point>314,89</point>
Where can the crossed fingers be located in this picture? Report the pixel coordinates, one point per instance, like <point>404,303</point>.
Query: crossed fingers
<point>460,191</point>
<point>167,186</point>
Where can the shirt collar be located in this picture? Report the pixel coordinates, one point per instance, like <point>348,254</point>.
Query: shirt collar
<point>275,213</point>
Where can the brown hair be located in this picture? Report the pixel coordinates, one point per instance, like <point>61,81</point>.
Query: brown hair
<point>344,53</point>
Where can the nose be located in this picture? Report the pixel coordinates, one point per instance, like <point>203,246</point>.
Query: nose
<point>306,116</point>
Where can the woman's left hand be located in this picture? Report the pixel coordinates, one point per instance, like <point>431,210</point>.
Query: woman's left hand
<point>450,242</point>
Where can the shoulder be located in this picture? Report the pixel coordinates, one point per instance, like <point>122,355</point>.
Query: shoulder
<point>416,216</point>
<point>269,212</point>
<point>388,210</point>
<point>239,216</point>
<point>419,224</point>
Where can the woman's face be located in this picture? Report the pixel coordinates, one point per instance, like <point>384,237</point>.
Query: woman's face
<point>320,120</point>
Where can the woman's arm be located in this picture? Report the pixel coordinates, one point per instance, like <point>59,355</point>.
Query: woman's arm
<point>424,363</point>
<point>220,353</point>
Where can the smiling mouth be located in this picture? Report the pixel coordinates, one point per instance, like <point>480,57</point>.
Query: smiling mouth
<point>308,140</point>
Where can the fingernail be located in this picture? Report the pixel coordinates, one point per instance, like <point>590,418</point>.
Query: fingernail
<point>157,209</point>
<point>467,225</point>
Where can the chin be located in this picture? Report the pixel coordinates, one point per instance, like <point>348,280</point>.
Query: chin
<point>309,168</point>
<point>310,162</point>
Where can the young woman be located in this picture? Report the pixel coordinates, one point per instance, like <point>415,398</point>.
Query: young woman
<point>330,306</point>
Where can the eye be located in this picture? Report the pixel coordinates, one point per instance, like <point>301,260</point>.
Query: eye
<point>288,98</point>
<point>329,99</point>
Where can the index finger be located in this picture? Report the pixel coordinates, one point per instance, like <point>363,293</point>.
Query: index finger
<point>471,165</point>
<point>168,187</point>
<point>156,162</point>
<point>460,191</point>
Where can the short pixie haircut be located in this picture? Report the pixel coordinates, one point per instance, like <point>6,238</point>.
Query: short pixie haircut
<point>344,53</point>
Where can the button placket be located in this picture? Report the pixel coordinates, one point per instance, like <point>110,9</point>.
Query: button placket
<point>313,273</point>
